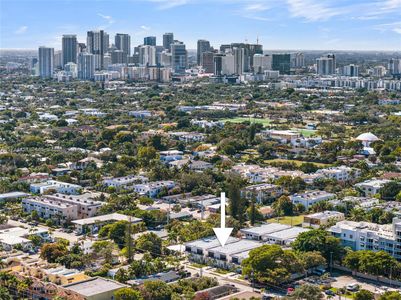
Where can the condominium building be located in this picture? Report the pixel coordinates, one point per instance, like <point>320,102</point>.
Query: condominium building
<point>371,187</point>
<point>125,182</point>
<point>263,192</point>
<point>152,189</point>
<point>58,186</point>
<point>309,198</point>
<point>341,173</point>
<point>370,236</point>
<point>50,209</point>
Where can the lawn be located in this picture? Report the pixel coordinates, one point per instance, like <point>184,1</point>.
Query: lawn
<point>294,221</point>
<point>264,122</point>
<point>305,132</point>
<point>297,162</point>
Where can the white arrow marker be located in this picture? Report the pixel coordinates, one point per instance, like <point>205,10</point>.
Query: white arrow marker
<point>223,233</point>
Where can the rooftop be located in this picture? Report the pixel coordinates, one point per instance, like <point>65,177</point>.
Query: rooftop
<point>104,218</point>
<point>265,229</point>
<point>94,286</point>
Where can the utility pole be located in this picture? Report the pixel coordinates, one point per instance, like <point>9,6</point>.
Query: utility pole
<point>331,263</point>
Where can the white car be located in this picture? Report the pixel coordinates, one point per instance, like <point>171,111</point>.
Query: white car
<point>352,287</point>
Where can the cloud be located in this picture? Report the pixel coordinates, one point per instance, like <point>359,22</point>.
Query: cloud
<point>167,4</point>
<point>312,10</point>
<point>21,30</point>
<point>144,27</point>
<point>256,7</point>
<point>109,19</point>
<point>394,27</point>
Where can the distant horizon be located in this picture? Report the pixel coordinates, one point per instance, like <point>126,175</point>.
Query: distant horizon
<point>330,25</point>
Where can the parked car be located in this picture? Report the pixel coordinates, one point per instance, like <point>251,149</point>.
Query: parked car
<point>329,293</point>
<point>352,287</point>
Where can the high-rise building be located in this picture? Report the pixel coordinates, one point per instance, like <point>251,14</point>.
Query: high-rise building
<point>118,57</point>
<point>168,39</point>
<point>297,60</point>
<point>46,62</point>
<point>261,63</point>
<point>395,66</point>
<point>281,63</point>
<point>379,71</point>
<point>149,41</point>
<point>81,47</point>
<point>97,44</point>
<point>147,55</point>
<point>351,70</point>
<point>58,59</point>
<point>69,48</point>
<point>122,42</point>
<point>228,62</point>
<point>203,46</point>
<point>239,61</point>
<point>86,66</point>
<point>218,64</point>
<point>179,59</point>
<point>326,65</point>
<point>165,59</point>
<point>207,62</point>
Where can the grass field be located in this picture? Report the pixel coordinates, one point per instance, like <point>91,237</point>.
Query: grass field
<point>297,162</point>
<point>294,221</point>
<point>264,122</point>
<point>305,132</point>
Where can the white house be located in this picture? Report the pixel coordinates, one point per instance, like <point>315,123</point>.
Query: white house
<point>372,187</point>
<point>309,198</point>
<point>58,186</point>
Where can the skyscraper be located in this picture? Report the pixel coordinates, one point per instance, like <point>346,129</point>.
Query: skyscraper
<point>351,70</point>
<point>239,60</point>
<point>326,65</point>
<point>149,41</point>
<point>86,66</point>
<point>207,62</point>
<point>281,63</point>
<point>96,43</point>
<point>395,66</point>
<point>147,55</point>
<point>118,57</point>
<point>69,48</point>
<point>218,64</point>
<point>261,63</point>
<point>122,42</point>
<point>179,60</point>
<point>168,39</point>
<point>203,46</point>
<point>46,62</point>
<point>297,60</point>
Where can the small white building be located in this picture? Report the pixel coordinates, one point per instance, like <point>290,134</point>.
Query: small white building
<point>341,173</point>
<point>58,186</point>
<point>322,218</point>
<point>372,186</point>
<point>309,198</point>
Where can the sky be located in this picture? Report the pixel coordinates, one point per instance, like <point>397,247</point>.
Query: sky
<point>276,24</point>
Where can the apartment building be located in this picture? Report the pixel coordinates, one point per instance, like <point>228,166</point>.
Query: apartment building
<point>92,225</point>
<point>264,192</point>
<point>372,186</point>
<point>170,155</point>
<point>370,236</point>
<point>152,189</point>
<point>13,236</point>
<point>58,186</point>
<point>341,173</point>
<point>86,205</point>
<point>309,198</point>
<point>322,218</point>
<point>283,136</point>
<point>50,209</point>
<point>126,182</point>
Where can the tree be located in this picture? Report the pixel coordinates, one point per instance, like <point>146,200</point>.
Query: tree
<point>127,294</point>
<point>311,259</point>
<point>390,190</point>
<point>319,240</point>
<point>390,296</point>
<point>283,206</point>
<point>237,205</point>
<point>364,295</point>
<point>52,251</point>
<point>156,289</point>
<point>271,264</point>
<point>307,292</point>
<point>5,294</point>
<point>150,242</point>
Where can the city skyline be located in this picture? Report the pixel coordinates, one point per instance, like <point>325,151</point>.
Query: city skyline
<point>291,24</point>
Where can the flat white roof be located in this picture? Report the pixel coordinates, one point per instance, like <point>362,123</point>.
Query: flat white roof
<point>209,242</point>
<point>94,286</point>
<point>105,218</point>
<point>287,234</point>
<point>237,247</point>
<point>265,229</point>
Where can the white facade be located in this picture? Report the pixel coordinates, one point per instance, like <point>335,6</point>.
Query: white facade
<point>309,198</point>
<point>58,186</point>
<point>372,187</point>
<point>341,173</point>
